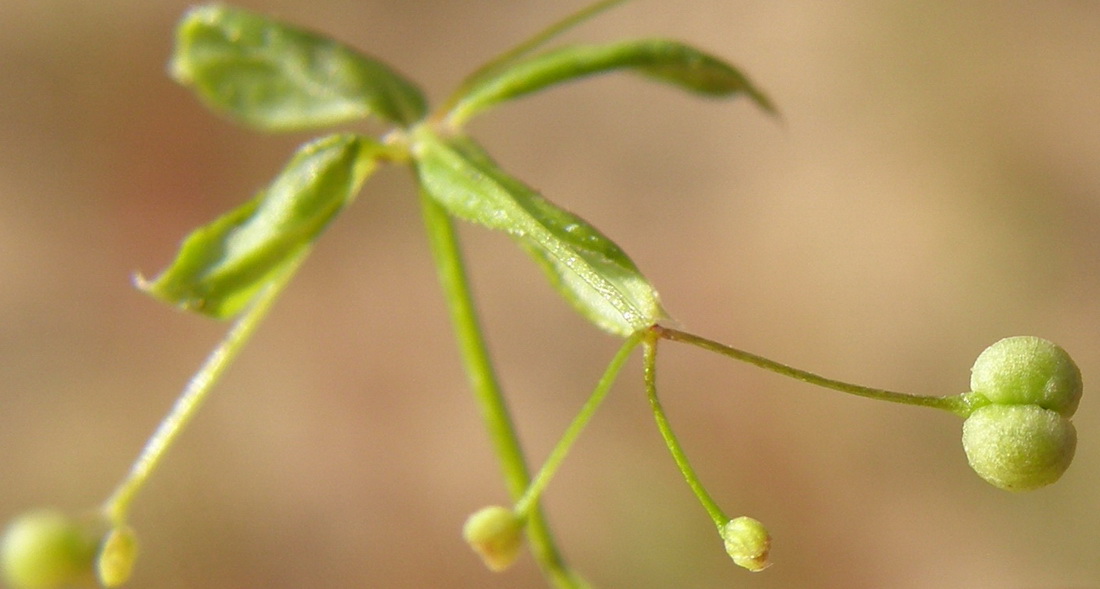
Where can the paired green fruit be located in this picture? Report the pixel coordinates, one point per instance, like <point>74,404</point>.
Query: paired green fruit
<point>1023,439</point>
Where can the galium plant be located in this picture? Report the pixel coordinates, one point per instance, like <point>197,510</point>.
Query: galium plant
<point>1017,428</point>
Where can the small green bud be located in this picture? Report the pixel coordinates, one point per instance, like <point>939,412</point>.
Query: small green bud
<point>1027,370</point>
<point>117,556</point>
<point>496,534</point>
<point>747,542</point>
<point>1018,447</point>
<point>47,549</point>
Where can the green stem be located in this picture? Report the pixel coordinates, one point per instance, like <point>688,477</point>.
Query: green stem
<point>501,61</point>
<point>490,399</point>
<point>197,390</point>
<point>669,436</point>
<point>962,404</point>
<point>554,460</point>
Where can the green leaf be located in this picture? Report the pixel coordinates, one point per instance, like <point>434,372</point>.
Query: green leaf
<point>668,61</point>
<point>223,265</point>
<point>276,77</point>
<point>586,267</point>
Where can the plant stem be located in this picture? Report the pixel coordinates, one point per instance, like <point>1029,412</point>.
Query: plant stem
<point>501,61</point>
<point>197,390</point>
<point>669,436</point>
<point>490,399</point>
<point>554,460</point>
<point>962,404</point>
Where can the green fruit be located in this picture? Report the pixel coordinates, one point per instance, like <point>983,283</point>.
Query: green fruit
<point>747,542</point>
<point>496,534</point>
<point>47,549</point>
<point>1027,370</point>
<point>1019,447</point>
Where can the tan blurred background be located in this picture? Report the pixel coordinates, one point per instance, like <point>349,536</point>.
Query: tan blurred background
<point>934,185</point>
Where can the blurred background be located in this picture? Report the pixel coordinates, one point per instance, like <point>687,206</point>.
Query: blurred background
<point>933,186</point>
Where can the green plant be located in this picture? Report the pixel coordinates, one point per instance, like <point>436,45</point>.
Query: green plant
<point>275,77</point>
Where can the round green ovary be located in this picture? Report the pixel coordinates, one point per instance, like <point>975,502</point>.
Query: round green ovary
<point>1027,370</point>
<point>747,542</point>
<point>1019,447</point>
<point>496,534</point>
<point>47,549</point>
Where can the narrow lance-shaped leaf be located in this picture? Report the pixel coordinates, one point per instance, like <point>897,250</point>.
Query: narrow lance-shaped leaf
<point>277,77</point>
<point>223,265</point>
<point>668,61</point>
<point>586,267</point>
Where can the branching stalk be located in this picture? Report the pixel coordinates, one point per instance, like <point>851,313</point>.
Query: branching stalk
<point>670,438</point>
<point>198,389</point>
<point>962,404</point>
<point>534,42</point>
<point>557,455</point>
<point>490,398</point>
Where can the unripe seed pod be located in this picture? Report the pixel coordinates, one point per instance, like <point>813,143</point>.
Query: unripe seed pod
<point>1027,370</point>
<point>747,542</point>
<point>47,549</point>
<point>496,534</point>
<point>1018,447</point>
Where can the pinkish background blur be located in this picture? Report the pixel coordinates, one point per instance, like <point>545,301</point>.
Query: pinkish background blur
<point>934,185</point>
